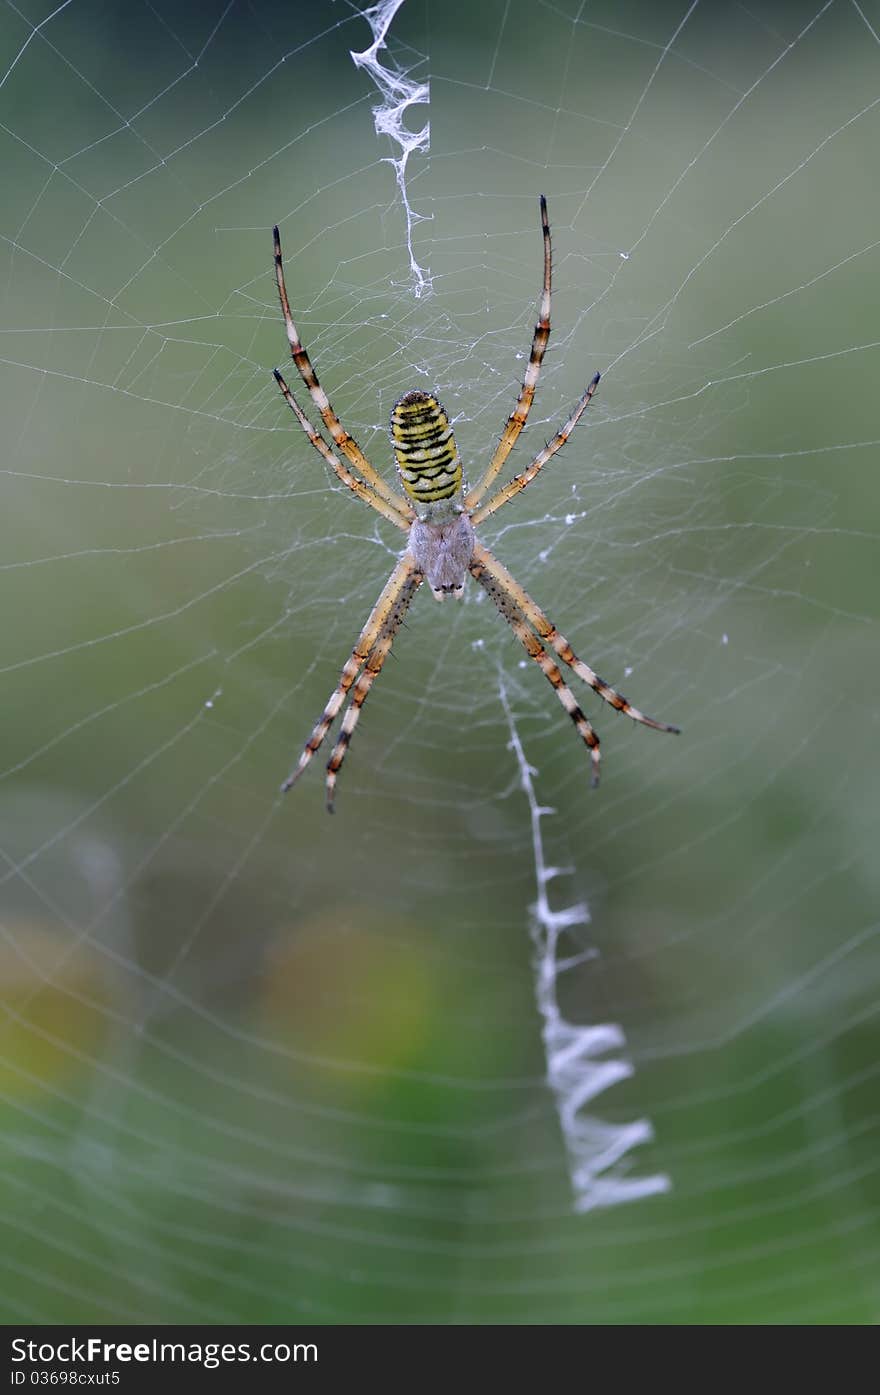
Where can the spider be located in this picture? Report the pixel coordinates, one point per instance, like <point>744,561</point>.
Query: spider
<point>439,514</point>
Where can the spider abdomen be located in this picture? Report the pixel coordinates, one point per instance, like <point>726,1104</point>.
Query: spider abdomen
<point>424,448</point>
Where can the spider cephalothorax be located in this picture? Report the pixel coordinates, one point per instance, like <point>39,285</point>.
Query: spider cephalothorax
<point>439,515</point>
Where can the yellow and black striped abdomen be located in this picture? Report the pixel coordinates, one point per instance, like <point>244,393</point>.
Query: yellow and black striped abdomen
<point>425,449</point>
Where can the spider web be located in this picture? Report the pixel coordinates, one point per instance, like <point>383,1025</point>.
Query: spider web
<point>259,1065</point>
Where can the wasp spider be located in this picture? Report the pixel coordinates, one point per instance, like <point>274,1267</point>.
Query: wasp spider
<point>439,515</point>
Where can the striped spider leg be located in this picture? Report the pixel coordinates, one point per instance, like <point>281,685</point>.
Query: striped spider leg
<point>520,611</point>
<point>371,670</point>
<point>439,520</point>
<point>520,414</point>
<point>394,512</point>
<point>513,487</point>
<point>341,438</point>
<point>512,612</point>
<point>369,654</point>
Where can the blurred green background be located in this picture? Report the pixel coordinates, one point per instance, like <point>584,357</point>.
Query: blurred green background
<point>258,1065</point>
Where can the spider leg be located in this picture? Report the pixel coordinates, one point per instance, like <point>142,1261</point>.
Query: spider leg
<point>518,417</point>
<point>507,586</point>
<point>513,487</point>
<point>515,618</point>
<point>384,607</point>
<point>394,513</point>
<point>373,667</point>
<point>343,441</point>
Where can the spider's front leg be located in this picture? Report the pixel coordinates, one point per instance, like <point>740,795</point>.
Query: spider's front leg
<point>513,614</point>
<point>509,587</point>
<point>402,575</point>
<point>373,667</point>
